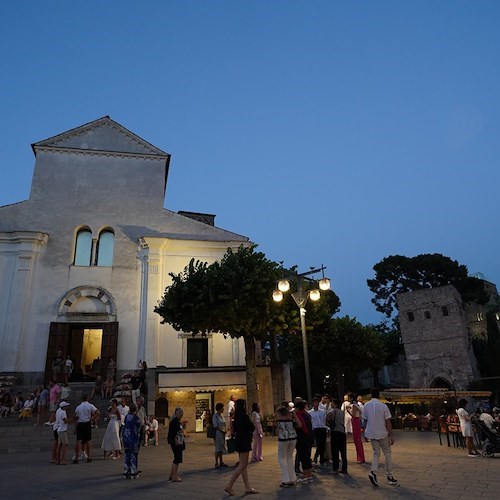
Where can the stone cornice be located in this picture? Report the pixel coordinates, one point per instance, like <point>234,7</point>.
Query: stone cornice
<point>20,237</point>
<point>94,152</point>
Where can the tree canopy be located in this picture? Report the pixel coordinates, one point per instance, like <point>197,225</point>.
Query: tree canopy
<point>232,297</point>
<point>397,273</point>
<point>341,348</point>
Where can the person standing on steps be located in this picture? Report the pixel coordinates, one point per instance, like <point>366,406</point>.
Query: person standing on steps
<point>379,432</point>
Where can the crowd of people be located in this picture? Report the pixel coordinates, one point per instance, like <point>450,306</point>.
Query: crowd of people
<point>327,423</point>
<point>41,402</point>
<point>299,426</point>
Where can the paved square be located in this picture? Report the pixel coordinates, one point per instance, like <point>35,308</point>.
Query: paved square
<point>424,469</point>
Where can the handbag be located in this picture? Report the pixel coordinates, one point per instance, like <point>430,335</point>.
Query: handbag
<point>231,445</point>
<point>211,431</point>
<point>179,438</point>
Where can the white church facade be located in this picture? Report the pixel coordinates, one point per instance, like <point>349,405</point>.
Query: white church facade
<point>85,259</point>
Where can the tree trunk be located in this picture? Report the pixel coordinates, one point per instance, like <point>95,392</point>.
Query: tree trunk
<point>252,394</point>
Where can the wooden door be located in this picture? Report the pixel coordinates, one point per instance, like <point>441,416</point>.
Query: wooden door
<point>109,347</point>
<point>58,341</point>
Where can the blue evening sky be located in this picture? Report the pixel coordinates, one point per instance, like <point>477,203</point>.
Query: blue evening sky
<point>329,132</point>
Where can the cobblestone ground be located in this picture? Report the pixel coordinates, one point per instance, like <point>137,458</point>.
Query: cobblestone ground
<point>424,469</point>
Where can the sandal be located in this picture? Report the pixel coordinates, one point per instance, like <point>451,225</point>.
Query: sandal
<point>251,492</point>
<point>230,492</point>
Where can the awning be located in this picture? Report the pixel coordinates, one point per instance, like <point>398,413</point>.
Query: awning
<point>415,396</point>
<point>204,388</point>
<point>206,381</point>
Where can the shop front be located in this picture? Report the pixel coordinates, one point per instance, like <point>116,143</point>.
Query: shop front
<point>197,391</point>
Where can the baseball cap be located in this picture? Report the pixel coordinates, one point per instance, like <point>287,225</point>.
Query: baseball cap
<point>63,404</point>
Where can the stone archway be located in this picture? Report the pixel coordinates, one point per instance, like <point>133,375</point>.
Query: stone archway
<point>441,382</point>
<point>87,303</point>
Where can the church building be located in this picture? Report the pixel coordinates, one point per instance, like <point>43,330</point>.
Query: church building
<point>84,261</point>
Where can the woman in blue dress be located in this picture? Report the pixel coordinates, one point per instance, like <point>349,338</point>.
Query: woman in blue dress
<point>131,442</point>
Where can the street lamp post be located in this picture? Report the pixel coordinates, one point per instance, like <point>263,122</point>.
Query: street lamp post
<point>300,297</point>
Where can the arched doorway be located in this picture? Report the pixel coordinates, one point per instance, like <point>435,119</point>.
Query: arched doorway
<point>440,382</point>
<point>87,331</point>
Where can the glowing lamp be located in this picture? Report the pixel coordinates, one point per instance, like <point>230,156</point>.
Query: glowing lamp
<point>277,296</point>
<point>283,286</point>
<point>314,295</point>
<point>324,284</point>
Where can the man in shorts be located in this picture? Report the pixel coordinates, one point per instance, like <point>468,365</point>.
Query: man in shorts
<point>85,414</point>
<point>62,432</point>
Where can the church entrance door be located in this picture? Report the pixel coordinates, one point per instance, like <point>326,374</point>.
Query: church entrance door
<point>90,346</point>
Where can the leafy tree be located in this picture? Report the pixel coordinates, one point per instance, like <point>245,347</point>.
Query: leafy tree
<point>397,273</point>
<point>341,348</point>
<point>232,297</point>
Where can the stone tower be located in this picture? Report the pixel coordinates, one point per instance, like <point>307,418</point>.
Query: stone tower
<point>436,338</point>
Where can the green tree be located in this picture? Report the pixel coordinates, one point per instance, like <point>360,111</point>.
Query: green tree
<point>397,273</point>
<point>342,348</point>
<point>232,297</point>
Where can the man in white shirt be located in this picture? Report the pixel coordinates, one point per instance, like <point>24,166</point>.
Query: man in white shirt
<point>151,430</point>
<point>61,424</point>
<point>379,432</point>
<point>318,420</point>
<point>85,414</point>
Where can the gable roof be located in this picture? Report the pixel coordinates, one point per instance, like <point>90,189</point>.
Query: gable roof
<point>103,135</point>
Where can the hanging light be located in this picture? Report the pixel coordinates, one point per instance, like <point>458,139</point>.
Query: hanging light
<point>314,295</point>
<point>324,284</point>
<point>283,285</point>
<point>277,296</point>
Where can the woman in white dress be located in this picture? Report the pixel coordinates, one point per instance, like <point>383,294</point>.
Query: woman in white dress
<point>111,443</point>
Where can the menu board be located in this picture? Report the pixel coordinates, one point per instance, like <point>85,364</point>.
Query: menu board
<point>202,407</point>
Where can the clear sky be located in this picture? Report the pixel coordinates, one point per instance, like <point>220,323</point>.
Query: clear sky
<point>329,132</point>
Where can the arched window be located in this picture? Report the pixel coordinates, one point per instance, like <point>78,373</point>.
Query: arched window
<point>105,248</point>
<point>83,247</point>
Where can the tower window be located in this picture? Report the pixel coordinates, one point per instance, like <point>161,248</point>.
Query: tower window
<point>445,311</point>
<point>411,316</point>
<point>427,315</point>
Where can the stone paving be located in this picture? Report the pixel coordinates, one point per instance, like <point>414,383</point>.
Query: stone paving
<point>424,469</point>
